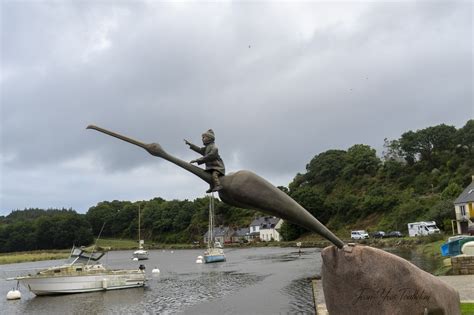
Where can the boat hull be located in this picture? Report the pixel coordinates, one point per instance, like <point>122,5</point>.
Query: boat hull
<point>81,284</point>
<point>140,257</point>
<point>454,247</point>
<point>214,258</point>
<point>140,254</point>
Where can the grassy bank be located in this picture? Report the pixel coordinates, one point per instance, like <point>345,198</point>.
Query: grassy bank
<point>117,244</point>
<point>12,258</point>
<point>467,308</point>
<point>18,257</point>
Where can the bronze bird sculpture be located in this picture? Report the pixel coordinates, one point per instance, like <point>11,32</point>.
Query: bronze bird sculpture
<point>244,189</point>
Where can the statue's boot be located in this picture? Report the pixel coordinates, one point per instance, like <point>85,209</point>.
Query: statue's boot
<point>217,183</point>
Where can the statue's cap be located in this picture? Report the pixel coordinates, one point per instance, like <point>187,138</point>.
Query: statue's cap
<point>210,134</point>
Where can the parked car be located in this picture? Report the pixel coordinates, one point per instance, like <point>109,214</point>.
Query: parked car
<point>359,235</point>
<point>378,234</point>
<point>394,234</point>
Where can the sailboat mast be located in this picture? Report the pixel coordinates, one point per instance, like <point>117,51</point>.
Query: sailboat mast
<point>139,237</point>
<point>212,219</point>
<point>210,240</point>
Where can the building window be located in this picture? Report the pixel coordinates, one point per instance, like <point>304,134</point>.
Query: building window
<point>463,210</point>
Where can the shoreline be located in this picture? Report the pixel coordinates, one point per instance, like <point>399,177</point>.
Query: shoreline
<point>426,245</point>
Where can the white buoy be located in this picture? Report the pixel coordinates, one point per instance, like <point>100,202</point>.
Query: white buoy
<point>155,270</point>
<point>135,259</point>
<point>13,295</point>
<point>172,252</point>
<point>199,259</point>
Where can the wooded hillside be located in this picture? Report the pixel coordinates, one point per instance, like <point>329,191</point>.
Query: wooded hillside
<point>417,178</point>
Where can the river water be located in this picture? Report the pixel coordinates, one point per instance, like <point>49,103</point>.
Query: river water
<point>265,280</point>
<point>417,258</point>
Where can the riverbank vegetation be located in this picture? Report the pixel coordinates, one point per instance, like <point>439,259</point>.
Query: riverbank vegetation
<point>416,178</point>
<point>18,257</point>
<point>467,308</point>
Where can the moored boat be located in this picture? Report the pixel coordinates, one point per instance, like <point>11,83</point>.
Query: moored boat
<point>214,252</point>
<point>82,273</point>
<point>214,255</point>
<point>141,253</point>
<point>454,245</point>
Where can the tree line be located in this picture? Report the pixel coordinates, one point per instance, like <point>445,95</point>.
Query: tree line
<point>162,221</point>
<point>417,178</point>
<point>34,229</point>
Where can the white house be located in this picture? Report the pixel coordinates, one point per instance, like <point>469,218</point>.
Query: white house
<point>464,208</point>
<point>266,228</point>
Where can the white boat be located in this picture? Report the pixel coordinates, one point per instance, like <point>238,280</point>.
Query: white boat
<point>82,273</point>
<point>214,252</point>
<point>140,254</point>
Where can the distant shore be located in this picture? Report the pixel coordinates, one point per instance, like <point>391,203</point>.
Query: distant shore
<point>429,246</point>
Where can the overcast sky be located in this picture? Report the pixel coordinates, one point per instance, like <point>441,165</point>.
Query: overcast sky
<point>278,82</point>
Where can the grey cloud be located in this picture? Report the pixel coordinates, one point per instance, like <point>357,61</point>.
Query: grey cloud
<point>160,72</point>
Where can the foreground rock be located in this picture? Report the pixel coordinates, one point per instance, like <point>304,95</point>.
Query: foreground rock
<point>365,280</point>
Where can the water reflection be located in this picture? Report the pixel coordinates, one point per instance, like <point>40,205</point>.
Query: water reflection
<point>299,290</point>
<point>174,294</point>
<point>418,259</point>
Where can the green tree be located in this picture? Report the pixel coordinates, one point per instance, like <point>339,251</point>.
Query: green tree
<point>290,232</point>
<point>392,150</point>
<point>102,213</point>
<point>312,199</point>
<point>451,192</point>
<point>465,137</point>
<point>63,231</point>
<point>425,144</point>
<point>18,236</point>
<point>442,212</point>
<point>324,169</point>
<point>361,160</point>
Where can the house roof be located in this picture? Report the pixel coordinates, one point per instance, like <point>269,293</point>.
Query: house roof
<point>467,195</point>
<point>265,222</point>
<point>220,231</point>
<point>242,232</point>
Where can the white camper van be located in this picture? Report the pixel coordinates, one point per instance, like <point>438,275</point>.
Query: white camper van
<point>422,228</point>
